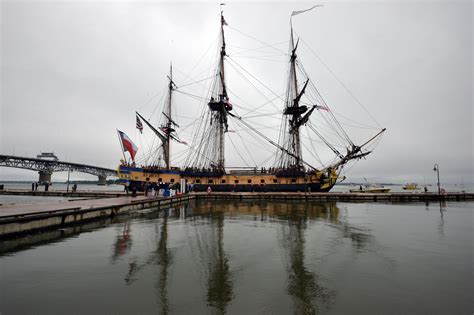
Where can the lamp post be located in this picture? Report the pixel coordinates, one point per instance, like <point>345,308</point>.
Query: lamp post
<point>436,169</point>
<point>68,174</point>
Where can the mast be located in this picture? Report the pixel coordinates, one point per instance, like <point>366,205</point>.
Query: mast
<point>166,130</point>
<point>168,125</point>
<point>295,132</point>
<point>292,156</point>
<point>220,107</point>
<point>222,96</point>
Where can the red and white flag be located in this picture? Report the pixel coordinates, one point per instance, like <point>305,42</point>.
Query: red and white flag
<point>128,145</point>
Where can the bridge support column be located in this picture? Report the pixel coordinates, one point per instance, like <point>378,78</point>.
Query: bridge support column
<point>102,180</point>
<point>44,176</point>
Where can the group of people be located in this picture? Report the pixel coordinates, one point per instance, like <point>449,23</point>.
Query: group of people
<point>154,189</point>
<point>34,186</point>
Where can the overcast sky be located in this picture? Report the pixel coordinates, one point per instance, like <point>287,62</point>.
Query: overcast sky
<point>73,72</point>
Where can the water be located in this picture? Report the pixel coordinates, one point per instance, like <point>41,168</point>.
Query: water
<point>249,257</point>
<point>11,199</point>
<point>63,186</point>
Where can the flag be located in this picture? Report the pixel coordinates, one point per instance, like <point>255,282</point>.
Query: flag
<point>302,11</point>
<point>128,145</point>
<point>139,124</point>
<point>318,107</point>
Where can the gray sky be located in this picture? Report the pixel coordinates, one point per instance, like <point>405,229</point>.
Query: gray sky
<point>73,72</point>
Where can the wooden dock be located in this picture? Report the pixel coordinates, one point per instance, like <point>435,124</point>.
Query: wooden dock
<point>343,196</point>
<point>17,218</point>
<point>64,193</point>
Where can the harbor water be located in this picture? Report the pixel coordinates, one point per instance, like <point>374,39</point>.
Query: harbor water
<point>247,258</point>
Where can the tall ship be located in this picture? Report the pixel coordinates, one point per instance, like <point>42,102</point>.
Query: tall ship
<point>204,168</point>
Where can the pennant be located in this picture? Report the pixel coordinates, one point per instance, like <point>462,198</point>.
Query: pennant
<point>318,107</point>
<point>302,11</point>
<point>139,124</point>
<point>128,145</point>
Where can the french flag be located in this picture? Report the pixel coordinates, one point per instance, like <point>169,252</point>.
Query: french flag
<point>128,145</point>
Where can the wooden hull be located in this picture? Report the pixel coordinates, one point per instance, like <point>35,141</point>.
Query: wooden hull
<point>312,187</point>
<point>250,182</point>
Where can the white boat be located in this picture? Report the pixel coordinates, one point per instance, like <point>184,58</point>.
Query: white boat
<point>371,189</point>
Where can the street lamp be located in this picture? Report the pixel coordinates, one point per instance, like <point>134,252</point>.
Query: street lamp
<point>68,174</point>
<point>436,169</point>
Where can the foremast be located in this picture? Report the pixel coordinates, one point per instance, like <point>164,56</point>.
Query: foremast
<point>294,118</point>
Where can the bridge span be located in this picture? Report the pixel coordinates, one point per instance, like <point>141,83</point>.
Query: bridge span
<point>45,168</point>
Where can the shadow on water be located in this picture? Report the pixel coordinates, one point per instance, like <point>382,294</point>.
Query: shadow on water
<point>9,245</point>
<point>303,285</point>
<point>219,278</point>
<point>219,284</point>
<point>160,257</point>
<point>123,241</point>
<point>442,208</point>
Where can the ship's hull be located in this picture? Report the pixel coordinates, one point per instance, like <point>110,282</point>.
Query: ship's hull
<point>311,187</point>
<point>202,182</point>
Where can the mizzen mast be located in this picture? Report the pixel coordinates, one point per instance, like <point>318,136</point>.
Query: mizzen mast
<point>167,127</point>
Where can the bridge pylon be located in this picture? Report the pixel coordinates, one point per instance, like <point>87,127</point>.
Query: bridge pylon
<point>44,176</point>
<point>102,180</point>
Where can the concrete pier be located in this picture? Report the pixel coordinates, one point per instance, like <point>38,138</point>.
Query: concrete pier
<point>44,177</point>
<point>16,219</point>
<point>334,196</point>
<point>102,181</point>
<point>63,193</point>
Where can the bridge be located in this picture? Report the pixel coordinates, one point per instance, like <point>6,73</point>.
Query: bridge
<point>45,167</point>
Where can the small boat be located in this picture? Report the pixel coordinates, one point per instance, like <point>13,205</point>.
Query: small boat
<point>371,189</point>
<point>411,186</point>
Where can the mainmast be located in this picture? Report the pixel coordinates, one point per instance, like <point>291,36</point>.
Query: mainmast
<point>220,105</point>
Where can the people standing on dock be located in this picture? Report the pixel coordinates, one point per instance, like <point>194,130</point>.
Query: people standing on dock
<point>46,186</point>
<point>146,189</point>
<point>74,187</point>
<point>33,186</point>
<point>36,186</point>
